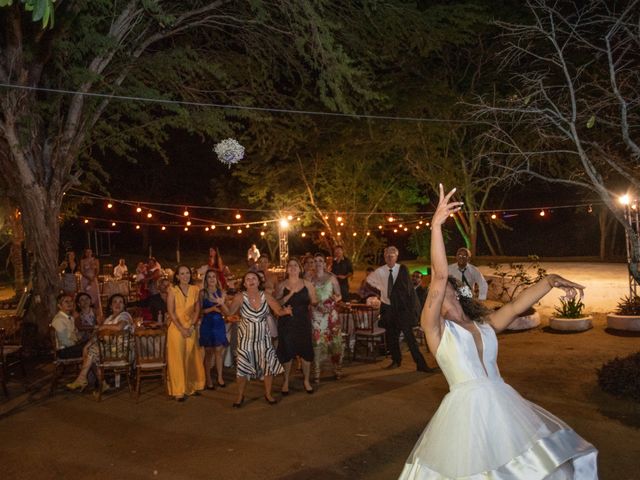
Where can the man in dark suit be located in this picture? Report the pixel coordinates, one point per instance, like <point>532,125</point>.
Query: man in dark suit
<point>421,292</point>
<point>400,308</point>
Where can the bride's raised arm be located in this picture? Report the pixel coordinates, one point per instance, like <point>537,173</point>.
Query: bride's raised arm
<point>430,319</point>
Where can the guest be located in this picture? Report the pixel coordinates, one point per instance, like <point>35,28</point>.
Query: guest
<point>69,269</point>
<point>468,274</point>
<point>216,264</point>
<point>400,308</point>
<point>86,316</point>
<point>68,343</point>
<point>256,356</point>
<point>213,335</point>
<point>294,331</point>
<point>120,270</point>
<point>327,330</point>
<point>308,265</point>
<point>366,290</point>
<point>153,273</point>
<point>118,320</point>
<point>343,270</point>
<point>89,268</point>
<point>141,272</point>
<point>253,254</point>
<point>270,278</point>
<point>421,292</point>
<point>184,355</point>
<point>154,307</point>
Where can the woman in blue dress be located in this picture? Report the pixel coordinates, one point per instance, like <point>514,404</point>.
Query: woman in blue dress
<point>213,336</point>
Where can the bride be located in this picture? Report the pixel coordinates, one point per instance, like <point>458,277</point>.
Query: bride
<point>483,428</point>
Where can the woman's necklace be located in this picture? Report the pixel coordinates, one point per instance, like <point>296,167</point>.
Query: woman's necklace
<point>254,299</point>
<point>182,290</point>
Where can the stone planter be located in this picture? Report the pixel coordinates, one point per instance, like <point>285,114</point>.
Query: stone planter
<point>525,322</point>
<point>571,324</point>
<point>623,322</point>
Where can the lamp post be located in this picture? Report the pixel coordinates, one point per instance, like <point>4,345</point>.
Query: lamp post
<point>283,241</point>
<point>630,207</point>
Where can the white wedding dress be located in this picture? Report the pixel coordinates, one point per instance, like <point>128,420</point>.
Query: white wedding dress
<point>484,430</point>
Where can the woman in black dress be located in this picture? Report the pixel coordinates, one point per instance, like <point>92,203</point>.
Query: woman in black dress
<point>294,331</point>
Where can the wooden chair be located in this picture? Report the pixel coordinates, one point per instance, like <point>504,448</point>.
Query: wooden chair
<point>114,350</point>
<point>344,313</point>
<point>60,364</point>
<point>366,329</point>
<point>151,355</point>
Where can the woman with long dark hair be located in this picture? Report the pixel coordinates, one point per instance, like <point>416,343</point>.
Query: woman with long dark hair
<point>483,427</point>
<point>184,355</point>
<point>213,336</point>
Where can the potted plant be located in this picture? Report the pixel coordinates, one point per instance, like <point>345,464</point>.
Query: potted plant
<point>569,316</point>
<point>508,282</point>
<point>627,315</point>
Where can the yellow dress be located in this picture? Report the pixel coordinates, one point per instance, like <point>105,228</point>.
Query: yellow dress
<point>184,355</point>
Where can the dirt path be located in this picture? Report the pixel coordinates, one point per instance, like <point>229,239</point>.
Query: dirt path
<point>363,426</point>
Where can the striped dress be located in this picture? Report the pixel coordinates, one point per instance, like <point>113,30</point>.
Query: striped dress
<point>256,355</point>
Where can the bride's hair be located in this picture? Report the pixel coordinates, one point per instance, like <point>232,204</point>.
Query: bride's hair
<point>475,310</point>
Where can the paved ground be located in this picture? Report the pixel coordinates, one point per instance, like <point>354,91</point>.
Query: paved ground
<point>362,426</point>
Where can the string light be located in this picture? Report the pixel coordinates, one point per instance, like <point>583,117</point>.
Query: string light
<point>188,223</point>
<point>355,234</point>
<point>303,234</point>
<point>213,227</point>
<point>239,231</point>
<point>247,226</point>
<point>390,219</point>
<point>395,230</point>
<point>339,219</point>
<point>264,224</point>
<point>322,234</point>
<point>149,215</point>
<point>379,227</point>
<point>493,216</point>
<point>542,214</point>
<point>138,209</point>
<point>228,227</point>
<point>185,213</point>
<point>109,205</point>
<point>163,228</point>
<point>339,234</point>
<point>238,216</point>
<point>262,234</point>
<point>624,199</point>
<point>289,217</point>
<point>206,229</point>
<point>368,233</point>
<point>186,229</point>
<point>113,224</point>
<point>86,221</point>
<point>137,227</point>
<point>400,226</point>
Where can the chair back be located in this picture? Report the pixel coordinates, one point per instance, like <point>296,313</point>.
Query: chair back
<point>114,347</point>
<point>54,341</point>
<point>364,318</point>
<point>151,346</point>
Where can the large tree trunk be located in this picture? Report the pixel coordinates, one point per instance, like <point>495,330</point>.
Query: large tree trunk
<point>40,215</point>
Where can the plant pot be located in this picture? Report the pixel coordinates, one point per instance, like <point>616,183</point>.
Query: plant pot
<point>525,322</point>
<point>571,324</point>
<point>623,322</point>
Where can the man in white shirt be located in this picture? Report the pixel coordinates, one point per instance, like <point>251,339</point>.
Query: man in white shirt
<point>120,270</point>
<point>468,274</point>
<point>400,308</point>
<point>253,254</point>
<point>68,343</point>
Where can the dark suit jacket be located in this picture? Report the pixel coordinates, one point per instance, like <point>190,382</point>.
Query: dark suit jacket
<point>422,293</point>
<point>404,310</point>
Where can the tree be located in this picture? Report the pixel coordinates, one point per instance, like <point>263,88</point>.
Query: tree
<point>573,119</point>
<point>179,50</point>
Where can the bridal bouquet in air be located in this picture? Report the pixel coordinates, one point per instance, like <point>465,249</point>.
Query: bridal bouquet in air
<point>229,151</point>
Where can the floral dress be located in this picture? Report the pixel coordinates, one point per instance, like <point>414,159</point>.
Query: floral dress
<point>327,329</point>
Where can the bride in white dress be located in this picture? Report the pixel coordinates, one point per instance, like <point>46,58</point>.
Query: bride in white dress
<point>483,429</point>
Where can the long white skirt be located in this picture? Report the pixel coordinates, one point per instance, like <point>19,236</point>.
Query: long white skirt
<point>484,430</point>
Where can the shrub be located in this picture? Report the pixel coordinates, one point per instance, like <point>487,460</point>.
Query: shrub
<point>629,305</point>
<point>621,377</point>
<point>571,308</point>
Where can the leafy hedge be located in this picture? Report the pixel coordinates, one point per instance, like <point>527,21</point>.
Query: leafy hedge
<point>621,377</point>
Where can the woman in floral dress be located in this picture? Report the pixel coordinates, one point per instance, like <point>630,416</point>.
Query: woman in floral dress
<point>327,329</point>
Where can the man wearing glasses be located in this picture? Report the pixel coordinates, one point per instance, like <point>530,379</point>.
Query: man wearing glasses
<point>468,274</point>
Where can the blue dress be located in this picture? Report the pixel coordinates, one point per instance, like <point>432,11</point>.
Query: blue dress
<point>212,329</point>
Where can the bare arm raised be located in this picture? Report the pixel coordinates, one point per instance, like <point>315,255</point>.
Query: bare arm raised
<point>430,319</point>
<point>503,317</point>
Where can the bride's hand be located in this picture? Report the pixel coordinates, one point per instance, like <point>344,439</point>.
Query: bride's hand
<point>445,208</point>
<point>570,288</point>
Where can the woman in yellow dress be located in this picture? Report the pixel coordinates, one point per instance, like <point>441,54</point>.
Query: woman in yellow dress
<point>184,354</point>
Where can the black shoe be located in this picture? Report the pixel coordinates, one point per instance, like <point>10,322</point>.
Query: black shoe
<point>182,398</point>
<point>196,393</point>
<point>284,392</point>
<point>392,365</point>
<point>270,402</point>
<point>211,387</point>
<point>424,368</point>
<point>222,385</point>
<point>238,404</point>
<point>310,391</point>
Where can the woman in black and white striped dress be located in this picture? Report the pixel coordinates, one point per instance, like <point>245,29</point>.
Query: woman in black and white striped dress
<point>256,357</point>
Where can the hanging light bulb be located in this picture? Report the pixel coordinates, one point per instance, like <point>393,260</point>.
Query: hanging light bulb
<point>379,227</point>
<point>355,234</point>
<point>264,224</point>
<point>86,221</point>
<point>213,227</point>
<point>188,223</point>
<point>289,217</point>
<point>303,234</point>
<point>238,216</point>
<point>247,226</point>
<point>228,227</point>
<point>186,229</point>
<point>493,216</point>
<point>138,209</point>
<point>206,229</point>
<point>109,205</point>
<point>406,229</point>
<point>395,230</point>
<point>262,234</point>
<point>339,219</point>
<point>185,213</point>
<point>149,215</point>
<point>137,227</point>
<point>113,224</point>
<point>163,228</point>
<point>322,234</point>
<point>239,231</point>
<point>400,225</point>
<point>339,234</point>
<point>390,219</point>
<point>368,233</point>
<point>542,214</point>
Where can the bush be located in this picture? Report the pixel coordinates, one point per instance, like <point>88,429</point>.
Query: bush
<point>571,308</point>
<point>621,377</point>
<point>629,305</point>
